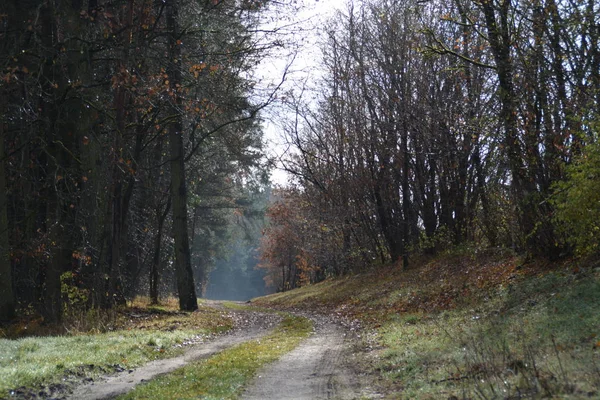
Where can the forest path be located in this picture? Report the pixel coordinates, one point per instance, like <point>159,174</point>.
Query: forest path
<point>249,325</point>
<point>322,367</point>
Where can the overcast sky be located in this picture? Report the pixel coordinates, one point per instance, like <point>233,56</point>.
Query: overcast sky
<point>309,22</point>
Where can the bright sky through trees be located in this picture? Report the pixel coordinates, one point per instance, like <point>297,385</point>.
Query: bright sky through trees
<point>302,64</point>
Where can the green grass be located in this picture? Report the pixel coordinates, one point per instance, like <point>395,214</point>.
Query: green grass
<point>43,360</point>
<point>537,339</point>
<point>473,329</point>
<point>224,375</point>
<point>540,343</point>
<point>35,361</point>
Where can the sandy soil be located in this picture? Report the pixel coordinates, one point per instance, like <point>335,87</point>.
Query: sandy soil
<point>323,367</point>
<point>248,326</point>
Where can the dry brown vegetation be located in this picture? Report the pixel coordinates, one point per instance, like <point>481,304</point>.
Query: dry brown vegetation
<point>137,314</point>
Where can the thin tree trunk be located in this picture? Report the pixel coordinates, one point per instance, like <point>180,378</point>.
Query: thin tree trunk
<point>405,199</point>
<point>119,200</point>
<point>7,301</point>
<point>498,32</point>
<point>154,276</point>
<point>51,304</point>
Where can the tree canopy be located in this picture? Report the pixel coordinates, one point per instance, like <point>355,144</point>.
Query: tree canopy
<point>125,126</point>
<point>441,124</point>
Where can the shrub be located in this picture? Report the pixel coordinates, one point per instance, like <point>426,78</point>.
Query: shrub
<point>577,202</point>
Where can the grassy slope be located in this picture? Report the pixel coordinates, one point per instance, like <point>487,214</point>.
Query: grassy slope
<point>473,326</point>
<point>139,335</point>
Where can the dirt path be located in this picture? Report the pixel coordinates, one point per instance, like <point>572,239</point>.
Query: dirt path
<point>249,326</point>
<point>324,366</point>
<point>320,368</point>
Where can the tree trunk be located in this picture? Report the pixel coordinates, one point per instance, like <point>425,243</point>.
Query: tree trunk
<point>7,301</point>
<point>51,304</point>
<point>154,277</point>
<point>183,263</point>
<point>499,38</point>
<point>390,234</point>
<point>405,199</point>
<point>118,201</point>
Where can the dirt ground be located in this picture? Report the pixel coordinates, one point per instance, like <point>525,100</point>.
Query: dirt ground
<point>327,365</point>
<point>248,326</point>
<point>323,367</point>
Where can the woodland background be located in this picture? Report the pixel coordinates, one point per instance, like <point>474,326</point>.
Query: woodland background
<point>132,153</point>
<point>469,123</point>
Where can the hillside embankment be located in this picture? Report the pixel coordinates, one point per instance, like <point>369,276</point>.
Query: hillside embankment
<point>469,324</point>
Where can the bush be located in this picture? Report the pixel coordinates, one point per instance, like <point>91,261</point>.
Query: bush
<point>577,202</point>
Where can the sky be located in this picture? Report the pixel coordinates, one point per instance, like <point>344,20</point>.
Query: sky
<point>310,19</point>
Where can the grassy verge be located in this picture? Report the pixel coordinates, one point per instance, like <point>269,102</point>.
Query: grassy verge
<point>535,340</point>
<point>224,375</point>
<point>487,328</point>
<point>143,334</point>
<point>243,307</point>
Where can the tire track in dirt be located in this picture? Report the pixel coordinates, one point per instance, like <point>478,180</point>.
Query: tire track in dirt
<point>316,369</point>
<point>249,326</point>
